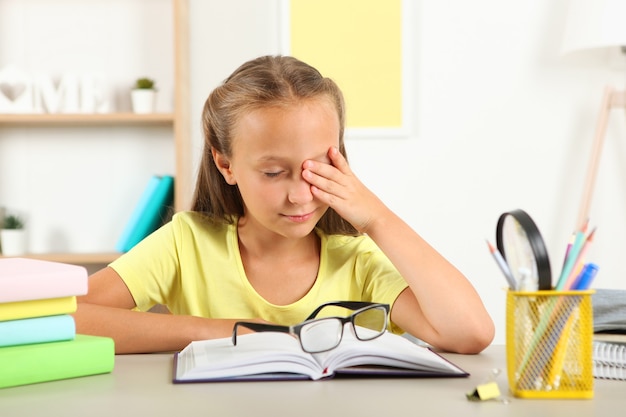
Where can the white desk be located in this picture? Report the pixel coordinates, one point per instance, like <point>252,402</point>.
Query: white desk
<point>141,386</point>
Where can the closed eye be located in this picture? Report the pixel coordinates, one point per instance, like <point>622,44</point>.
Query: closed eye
<point>272,174</point>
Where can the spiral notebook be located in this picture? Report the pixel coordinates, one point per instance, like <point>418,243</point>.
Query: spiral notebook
<point>609,360</point>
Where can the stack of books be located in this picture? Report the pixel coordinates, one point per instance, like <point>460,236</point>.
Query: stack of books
<point>38,340</point>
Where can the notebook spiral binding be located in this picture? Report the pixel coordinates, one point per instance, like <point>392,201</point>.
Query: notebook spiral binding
<point>609,360</point>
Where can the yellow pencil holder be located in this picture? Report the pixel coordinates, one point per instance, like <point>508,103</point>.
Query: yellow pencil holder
<point>549,336</point>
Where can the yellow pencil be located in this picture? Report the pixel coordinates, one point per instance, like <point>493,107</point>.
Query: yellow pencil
<point>558,357</point>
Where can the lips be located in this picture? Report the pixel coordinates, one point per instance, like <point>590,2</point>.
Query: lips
<point>299,218</point>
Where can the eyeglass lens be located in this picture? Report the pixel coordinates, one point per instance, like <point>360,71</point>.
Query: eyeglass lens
<point>321,335</point>
<point>370,323</point>
<point>325,334</point>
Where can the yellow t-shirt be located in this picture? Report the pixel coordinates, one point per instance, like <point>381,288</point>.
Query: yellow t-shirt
<point>193,266</point>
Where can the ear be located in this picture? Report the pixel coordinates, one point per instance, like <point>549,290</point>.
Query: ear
<point>223,165</point>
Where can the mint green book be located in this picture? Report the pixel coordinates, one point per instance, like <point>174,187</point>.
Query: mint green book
<point>37,330</point>
<point>30,364</point>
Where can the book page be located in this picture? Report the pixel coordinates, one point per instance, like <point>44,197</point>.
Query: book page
<point>255,353</point>
<point>386,350</point>
<point>271,355</point>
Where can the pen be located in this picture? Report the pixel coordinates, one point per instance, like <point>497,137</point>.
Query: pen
<point>584,279</point>
<point>504,267</point>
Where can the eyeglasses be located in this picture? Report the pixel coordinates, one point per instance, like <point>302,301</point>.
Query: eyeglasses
<point>368,322</point>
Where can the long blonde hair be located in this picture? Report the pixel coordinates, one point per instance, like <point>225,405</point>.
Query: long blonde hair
<point>261,82</point>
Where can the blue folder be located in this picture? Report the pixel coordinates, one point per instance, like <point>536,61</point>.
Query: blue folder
<point>149,213</point>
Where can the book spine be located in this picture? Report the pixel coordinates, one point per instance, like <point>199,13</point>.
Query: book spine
<point>154,212</point>
<point>24,279</point>
<point>29,364</point>
<point>37,330</point>
<point>37,308</point>
<point>123,244</point>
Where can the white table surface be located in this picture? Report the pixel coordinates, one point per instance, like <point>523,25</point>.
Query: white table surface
<point>140,385</point>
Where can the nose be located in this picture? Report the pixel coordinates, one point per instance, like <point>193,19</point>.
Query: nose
<point>299,191</point>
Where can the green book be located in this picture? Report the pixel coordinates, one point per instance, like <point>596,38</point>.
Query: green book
<point>82,356</point>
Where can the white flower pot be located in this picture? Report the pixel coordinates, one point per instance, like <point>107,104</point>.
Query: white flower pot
<point>143,100</point>
<point>13,242</point>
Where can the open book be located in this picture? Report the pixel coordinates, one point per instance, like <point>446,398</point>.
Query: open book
<point>278,356</point>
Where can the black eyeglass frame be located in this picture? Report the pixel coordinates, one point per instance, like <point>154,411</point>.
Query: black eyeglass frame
<point>295,330</point>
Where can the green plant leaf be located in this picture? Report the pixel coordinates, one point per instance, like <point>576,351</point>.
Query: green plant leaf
<point>144,83</point>
<point>13,222</point>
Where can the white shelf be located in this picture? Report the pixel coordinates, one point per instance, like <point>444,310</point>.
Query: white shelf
<point>175,124</point>
<point>73,119</point>
<point>74,258</point>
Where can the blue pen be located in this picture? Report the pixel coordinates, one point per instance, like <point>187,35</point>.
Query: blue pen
<point>586,276</point>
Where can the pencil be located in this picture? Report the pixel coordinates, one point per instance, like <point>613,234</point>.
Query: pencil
<point>557,359</point>
<point>543,346</point>
<point>578,263</point>
<point>568,248</point>
<point>504,267</point>
<point>583,229</point>
<point>572,257</point>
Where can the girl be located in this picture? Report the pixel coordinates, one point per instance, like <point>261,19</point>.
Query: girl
<point>280,225</point>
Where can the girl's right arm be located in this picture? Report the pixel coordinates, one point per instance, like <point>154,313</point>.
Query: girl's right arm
<point>106,310</point>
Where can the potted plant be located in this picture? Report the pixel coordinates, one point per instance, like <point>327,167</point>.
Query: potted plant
<point>143,96</point>
<point>13,236</point>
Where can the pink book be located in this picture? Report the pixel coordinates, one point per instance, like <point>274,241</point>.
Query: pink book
<point>24,279</point>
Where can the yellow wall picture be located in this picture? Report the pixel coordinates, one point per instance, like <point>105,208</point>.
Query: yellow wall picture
<point>357,43</point>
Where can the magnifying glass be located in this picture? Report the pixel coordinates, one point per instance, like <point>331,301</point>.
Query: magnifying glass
<point>519,241</point>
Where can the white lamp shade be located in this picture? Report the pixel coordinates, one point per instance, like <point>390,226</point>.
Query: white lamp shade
<point>595,24</point>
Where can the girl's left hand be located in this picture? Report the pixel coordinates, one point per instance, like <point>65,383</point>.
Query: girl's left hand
<point>336,185</point>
